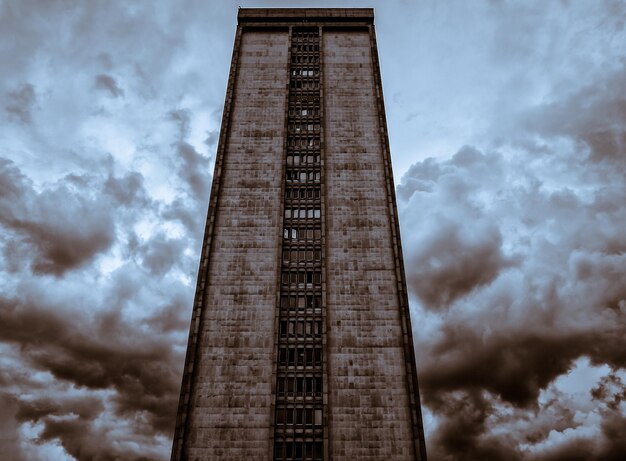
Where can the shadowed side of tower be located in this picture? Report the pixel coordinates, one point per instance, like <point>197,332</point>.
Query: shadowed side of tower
<point>300,344</point>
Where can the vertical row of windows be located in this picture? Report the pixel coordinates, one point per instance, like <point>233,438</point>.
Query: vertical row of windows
<point>299,406</point>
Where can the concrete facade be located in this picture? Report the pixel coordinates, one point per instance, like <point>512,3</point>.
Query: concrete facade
<point>369,404</point>
<point>229,400</point>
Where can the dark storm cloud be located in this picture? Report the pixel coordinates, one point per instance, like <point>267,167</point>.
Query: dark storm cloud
<point>454,252</point>
<point>9,436</point>
<point>461,434</point>
<point>105,353</point>
<point>71,421</point>
<point>36,219</point>
<point>513,364</point>
<point>101,212</point>
<point>108,83</point>
<point>528,278</point>
<point>610,390</point>
<point>518,249</point>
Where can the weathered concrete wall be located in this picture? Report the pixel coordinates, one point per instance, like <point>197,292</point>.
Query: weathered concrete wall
<point>369,413</point>
<point>231,403</point>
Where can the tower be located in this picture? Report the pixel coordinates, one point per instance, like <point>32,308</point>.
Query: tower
<point>300,345</point>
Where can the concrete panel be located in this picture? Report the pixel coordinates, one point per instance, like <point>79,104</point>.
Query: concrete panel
<point>369,406</point>
<point>231,404</point>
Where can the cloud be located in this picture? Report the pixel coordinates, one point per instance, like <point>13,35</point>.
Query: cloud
<point>104,352</point>
<point>193,167</point>
<point>38,220</point>
<point>461,434</point>
<point>103,193</point>
<point>594,114</point>
<point>523,283</point>
<point>108,83</point>
<point>515,254</point>
<point>20,103</point>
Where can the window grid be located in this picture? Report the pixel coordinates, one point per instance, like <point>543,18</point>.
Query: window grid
<point>299,383</point>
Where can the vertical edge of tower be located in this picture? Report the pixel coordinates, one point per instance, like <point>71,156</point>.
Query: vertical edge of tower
<point>186,390</point>
<point>409,348</point>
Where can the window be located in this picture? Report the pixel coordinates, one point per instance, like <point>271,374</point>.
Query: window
<point>300,356</point>
<point>318,417</point>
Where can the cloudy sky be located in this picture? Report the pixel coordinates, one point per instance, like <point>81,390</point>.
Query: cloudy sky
<point>508,132</point>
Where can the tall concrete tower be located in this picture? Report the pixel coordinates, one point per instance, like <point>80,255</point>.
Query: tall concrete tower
<point>300,344</point>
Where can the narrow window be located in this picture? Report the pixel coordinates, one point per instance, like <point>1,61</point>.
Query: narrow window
<point>280,416</point>
<point>278,450</point>
<point>319,451</point>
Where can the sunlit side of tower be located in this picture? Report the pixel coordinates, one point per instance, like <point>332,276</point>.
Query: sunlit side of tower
<point>300,346</point>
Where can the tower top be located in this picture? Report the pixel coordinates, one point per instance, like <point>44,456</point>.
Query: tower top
<point>248,15</point>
